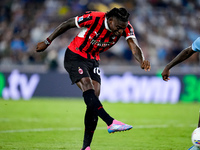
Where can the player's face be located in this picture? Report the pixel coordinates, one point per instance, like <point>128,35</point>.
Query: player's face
<point>117,26</point>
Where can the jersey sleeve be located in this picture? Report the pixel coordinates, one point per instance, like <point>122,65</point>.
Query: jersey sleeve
<point>196,45</point>
<point>84,20</point>
<point>129,32</point>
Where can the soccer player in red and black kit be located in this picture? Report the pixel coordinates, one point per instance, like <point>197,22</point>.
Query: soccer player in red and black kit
<point>100,31</point>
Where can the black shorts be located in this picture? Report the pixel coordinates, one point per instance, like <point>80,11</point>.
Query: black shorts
<point>79,67</point>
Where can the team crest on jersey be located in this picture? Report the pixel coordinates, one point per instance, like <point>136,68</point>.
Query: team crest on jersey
<point>80,19</point>
<point>80,71</point>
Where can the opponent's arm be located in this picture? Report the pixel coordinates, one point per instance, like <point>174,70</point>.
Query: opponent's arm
<point>138,54</point>
<point>63,27</point>
<point>183,55</point>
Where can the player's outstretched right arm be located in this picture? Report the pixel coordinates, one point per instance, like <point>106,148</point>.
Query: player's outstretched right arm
<point>63,27</point>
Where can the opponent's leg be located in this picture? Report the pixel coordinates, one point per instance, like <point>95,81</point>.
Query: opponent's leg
<point>194,148</point>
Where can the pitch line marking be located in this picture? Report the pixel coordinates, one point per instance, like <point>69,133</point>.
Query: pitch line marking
<point>98,128</point>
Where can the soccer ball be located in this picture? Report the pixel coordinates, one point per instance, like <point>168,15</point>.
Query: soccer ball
<point>196,137</point>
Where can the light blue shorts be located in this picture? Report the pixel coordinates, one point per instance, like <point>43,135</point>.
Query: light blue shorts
<point>196,45</point>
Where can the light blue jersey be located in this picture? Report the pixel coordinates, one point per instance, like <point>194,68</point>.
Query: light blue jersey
<point>196,45</point>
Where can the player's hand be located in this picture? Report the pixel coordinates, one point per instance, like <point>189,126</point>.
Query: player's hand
<point>41,47</point>
<point>165,74</point>
<point>146,65</point>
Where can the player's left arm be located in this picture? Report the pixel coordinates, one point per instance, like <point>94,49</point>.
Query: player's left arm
<point>138,54</point>
<point>63,27</point>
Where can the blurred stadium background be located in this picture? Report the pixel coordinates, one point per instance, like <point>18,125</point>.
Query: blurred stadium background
<point>162,27</point>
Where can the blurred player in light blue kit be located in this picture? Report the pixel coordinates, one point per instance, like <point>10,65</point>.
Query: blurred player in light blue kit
<point>183,55</point>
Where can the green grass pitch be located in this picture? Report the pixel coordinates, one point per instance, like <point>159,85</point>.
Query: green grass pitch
<point>57,123</point>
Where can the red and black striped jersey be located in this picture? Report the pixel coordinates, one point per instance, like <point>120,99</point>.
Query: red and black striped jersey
<point>95,36</point>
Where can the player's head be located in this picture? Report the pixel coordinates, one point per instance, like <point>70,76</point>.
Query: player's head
<point>117,20</point>
<point>120,13</point>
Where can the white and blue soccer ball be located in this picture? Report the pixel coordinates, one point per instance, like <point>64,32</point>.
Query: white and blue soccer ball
<point>196,137</point>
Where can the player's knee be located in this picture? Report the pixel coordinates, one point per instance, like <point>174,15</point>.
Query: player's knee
<point>86,84</point>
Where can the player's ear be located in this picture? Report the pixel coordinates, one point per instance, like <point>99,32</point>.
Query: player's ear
<point>110,19</point>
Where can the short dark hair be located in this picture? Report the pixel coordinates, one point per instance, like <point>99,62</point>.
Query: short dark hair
<point>119,13</point>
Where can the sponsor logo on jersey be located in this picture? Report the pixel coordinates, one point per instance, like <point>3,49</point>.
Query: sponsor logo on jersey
<point>101,44</point>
